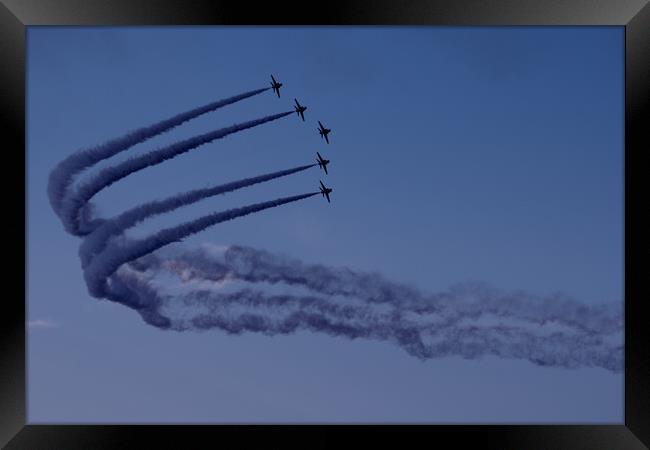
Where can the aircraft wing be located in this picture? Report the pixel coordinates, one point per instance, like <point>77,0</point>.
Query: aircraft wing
<point>322,185</point>
<point>325,169</point>
<point>273,79</point>
<point>326,139</point>
<point>328,197</point>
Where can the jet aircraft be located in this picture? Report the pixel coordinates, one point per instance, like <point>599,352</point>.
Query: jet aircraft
<point>322,163</point>
<point>300,110</point>
<point>276,86</point>
<point>325,192</point>
<point>323,131</point>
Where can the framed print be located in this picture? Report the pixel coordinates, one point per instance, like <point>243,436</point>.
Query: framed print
<point>357,223</point>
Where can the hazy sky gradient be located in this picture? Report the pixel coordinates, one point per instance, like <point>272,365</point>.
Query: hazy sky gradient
<point>458,154</point>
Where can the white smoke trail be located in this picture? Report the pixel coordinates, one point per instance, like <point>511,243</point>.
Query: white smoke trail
<point>96,241</point>
<point>70,213</point>
<point>106,263</point>
<point>62,176</point>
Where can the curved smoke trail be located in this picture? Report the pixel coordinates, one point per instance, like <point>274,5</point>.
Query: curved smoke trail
<point>73,204</point>
<point>106,263</point>
<point>61,177</point>
<point>96,241</point>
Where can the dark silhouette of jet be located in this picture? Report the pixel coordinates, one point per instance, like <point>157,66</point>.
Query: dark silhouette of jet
<point>322,163</point>
<point>300,109</point>
<point>276,86</point>
<point>323,131</point>
<point>325,191</point>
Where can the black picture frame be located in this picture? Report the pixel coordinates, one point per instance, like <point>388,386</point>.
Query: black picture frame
<point>634,15</point>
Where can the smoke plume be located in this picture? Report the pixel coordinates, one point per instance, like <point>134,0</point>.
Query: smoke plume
<point>72,205</point>
<point>62,176</point>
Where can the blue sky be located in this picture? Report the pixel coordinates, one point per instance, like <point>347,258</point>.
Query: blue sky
<point>458,154</point>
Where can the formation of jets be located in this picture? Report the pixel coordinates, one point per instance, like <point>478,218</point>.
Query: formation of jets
<point>300,110</point>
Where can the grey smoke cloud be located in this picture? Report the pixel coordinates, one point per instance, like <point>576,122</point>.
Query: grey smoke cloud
<point>253,310</point>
